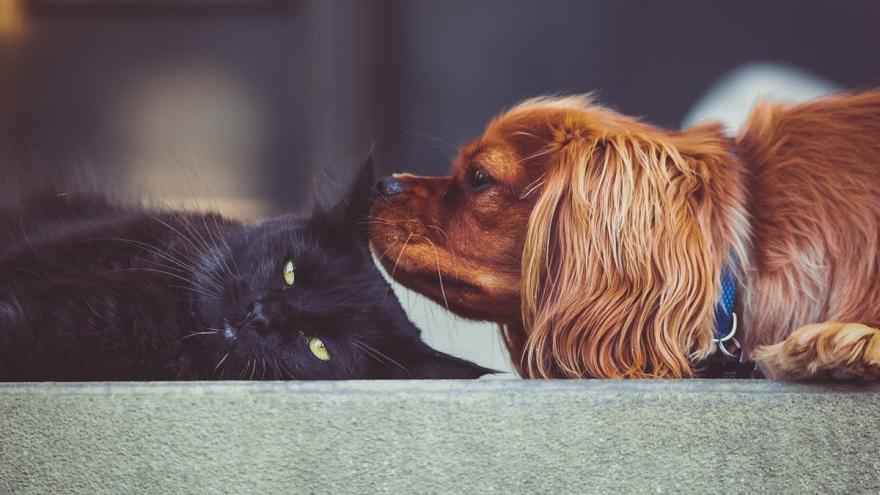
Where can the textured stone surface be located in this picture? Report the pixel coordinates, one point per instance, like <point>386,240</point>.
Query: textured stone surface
<point>431,437</point>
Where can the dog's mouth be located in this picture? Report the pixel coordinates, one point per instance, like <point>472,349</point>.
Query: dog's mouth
<point>423,263</point>
<point>463,298</point>
<point>444,282</point>
<point>459,296</point>
<point>429,280</point>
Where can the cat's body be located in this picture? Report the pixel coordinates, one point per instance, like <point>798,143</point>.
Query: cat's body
<point>93,290</point>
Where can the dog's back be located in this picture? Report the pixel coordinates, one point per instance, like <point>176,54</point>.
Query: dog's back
<point>815,214</point>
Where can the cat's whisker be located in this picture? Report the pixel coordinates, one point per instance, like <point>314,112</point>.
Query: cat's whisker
<point>227,247</point>
<point>89,305</point>
<point>187,239</point>
<point>206,290</point>
<point>123,270</point>
<point>196,290</point>
<point>385,357</point>
<point>210,275</point>
<point>187,274</point>
<point>253,370</point>
<point>152,250</point>
<point>193,232</point>
<point>209,248</point>
<point>191,263</point>
<point>220,235</point>
<point>181,266</point>
<point>180,165</point>
<point>209,289</point>
<point>209,286</point>
<point>219,363</point>
<point>370,354</point>
<point>194,334</point>
<point>283,368</point>
<point>172,229</point>
<point>377,351</point>
<point>223,258</point>
<point>276,372</point>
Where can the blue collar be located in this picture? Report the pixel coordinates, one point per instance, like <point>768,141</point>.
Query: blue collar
<point>727,360</point>
<point>725,318</point>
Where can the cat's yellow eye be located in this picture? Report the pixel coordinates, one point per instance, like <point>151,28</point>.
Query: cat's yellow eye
<point>318,349</point>
<point>289,273</point>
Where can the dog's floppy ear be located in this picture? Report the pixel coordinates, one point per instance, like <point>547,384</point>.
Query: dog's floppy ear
<point>621,259</point>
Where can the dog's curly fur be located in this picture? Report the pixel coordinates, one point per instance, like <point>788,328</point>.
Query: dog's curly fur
<point>597,241</point>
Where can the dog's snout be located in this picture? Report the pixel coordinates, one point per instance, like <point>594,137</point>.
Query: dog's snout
<point>389,186</point>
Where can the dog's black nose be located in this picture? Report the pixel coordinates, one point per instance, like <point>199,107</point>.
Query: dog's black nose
<point>389,186</point>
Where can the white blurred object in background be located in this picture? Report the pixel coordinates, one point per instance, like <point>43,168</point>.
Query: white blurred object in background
<point>730,100</point>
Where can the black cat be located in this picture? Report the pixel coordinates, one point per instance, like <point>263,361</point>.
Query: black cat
<point>93,290</point>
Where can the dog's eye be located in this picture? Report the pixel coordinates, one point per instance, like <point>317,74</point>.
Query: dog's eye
<point>478,179</point>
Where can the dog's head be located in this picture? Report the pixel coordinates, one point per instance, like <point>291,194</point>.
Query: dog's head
<point>598,235</point>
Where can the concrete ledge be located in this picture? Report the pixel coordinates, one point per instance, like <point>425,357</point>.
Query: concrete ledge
<point>430,437</point>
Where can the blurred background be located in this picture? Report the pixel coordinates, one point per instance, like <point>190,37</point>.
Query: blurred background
<point>263,99</point>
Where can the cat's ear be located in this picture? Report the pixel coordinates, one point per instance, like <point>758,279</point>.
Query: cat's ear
<point>359,198</point>
<point>426,363</point>
<point>351,213</point>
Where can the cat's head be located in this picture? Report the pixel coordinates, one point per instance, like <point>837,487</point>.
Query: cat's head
<point>301,298</point>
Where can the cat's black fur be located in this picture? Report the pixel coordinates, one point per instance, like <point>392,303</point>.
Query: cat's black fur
<point>93,290</point>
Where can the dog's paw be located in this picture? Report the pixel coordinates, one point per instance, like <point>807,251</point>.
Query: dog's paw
<point>823,350</point>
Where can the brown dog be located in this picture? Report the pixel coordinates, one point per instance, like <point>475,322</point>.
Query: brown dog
<point>598,241</point>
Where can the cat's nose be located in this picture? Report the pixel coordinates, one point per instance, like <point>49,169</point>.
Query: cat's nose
<point>255,318</point>
<point>389,186</point>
